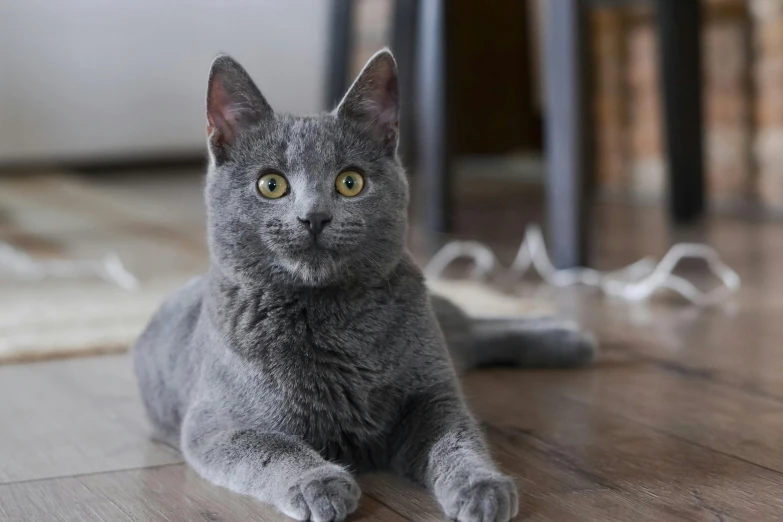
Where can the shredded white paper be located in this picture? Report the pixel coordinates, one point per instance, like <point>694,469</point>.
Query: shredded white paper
<point>635,282</point>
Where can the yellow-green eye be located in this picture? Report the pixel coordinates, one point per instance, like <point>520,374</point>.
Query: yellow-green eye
<point>272,186</point>
<point>349,183</point>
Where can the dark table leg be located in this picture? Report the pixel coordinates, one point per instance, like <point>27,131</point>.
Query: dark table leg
<point>679,23</point>
<point>434,187</point>
<point>340,51</point>
<point>565,139</point>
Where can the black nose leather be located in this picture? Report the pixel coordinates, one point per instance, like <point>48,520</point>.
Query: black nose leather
<point>315,222</point>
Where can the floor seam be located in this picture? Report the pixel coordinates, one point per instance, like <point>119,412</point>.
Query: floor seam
<point>88,474</point>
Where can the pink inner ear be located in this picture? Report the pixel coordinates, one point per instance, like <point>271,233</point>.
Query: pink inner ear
<point>374,99</point>
<point>387,115</point>
<point>385,92</point>
<point>380,107</point>
<point>220,113</point>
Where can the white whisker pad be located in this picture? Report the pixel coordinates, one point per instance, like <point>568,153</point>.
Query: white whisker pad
<point>635,282</point>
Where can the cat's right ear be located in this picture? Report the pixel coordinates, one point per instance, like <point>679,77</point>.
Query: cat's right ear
<point>234,103</point>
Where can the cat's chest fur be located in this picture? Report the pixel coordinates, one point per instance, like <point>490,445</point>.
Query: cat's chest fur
<point>323,364</point>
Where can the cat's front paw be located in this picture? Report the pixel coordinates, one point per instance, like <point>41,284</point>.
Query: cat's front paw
<point>324,494</point>
<point>479,496</point>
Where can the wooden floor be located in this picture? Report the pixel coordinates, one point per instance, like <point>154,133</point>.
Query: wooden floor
<point>680,419</point>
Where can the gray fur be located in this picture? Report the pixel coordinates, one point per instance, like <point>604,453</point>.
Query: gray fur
<point>527,342</point>
<point>289,366</point>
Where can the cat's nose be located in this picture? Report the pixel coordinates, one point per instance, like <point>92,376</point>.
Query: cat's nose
<point>315,222</point>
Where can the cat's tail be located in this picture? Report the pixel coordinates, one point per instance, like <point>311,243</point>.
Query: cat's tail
<point>528,342</point>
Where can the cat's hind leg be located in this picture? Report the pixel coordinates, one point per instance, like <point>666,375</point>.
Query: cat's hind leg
<point>528,342</point>
<point>532,342</point>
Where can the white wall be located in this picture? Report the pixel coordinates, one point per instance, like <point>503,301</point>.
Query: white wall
<point>90,79</point>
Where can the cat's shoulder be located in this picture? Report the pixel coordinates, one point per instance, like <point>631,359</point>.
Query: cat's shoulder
<point>408,277</point>
<point>186,299</point>
<point>184,304</point>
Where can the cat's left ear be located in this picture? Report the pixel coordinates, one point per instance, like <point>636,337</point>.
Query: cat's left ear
<point>374,99</point>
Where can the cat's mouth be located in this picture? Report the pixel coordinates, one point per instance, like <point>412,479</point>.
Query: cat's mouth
<point>317,244</point>
<point>313,246</point>
<point>312,249</point>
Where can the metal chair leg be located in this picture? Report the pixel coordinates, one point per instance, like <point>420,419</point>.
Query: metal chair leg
<point>565,139</point>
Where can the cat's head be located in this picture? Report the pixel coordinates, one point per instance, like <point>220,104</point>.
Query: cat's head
<point>309,201</point>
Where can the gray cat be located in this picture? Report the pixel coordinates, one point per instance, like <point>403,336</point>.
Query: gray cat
<point>311,349</point>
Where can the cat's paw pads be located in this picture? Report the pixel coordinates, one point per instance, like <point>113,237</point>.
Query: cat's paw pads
<point>482,498</point>
<point>325,494</point>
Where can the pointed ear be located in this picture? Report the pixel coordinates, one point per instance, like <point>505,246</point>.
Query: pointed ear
<point>234,103</point>
<point>374,99</point>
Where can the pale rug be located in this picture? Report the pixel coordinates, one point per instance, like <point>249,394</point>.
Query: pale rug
<point>481,301</point>
<point>155,225</point>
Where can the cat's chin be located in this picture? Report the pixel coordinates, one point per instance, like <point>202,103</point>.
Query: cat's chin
<point>313,269</point>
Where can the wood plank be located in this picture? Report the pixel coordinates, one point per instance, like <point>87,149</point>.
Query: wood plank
<point>172,493</point>
<point>549,489</point>
<point>718,417</point>
<point>552,484</point>
<point>654,472</point>
<point>73,417</point>
<point>409,500</point>
<point>739,350</point>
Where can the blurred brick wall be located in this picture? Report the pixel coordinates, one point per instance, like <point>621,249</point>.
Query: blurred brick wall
<point>767,17</point>
<point>609,55</point>
<point>728,101</point>
<point>646,169</point>
<point>628,134</point>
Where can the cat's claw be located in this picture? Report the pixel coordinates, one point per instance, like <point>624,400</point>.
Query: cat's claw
<point>481,497</point>
<point>325,494</point>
